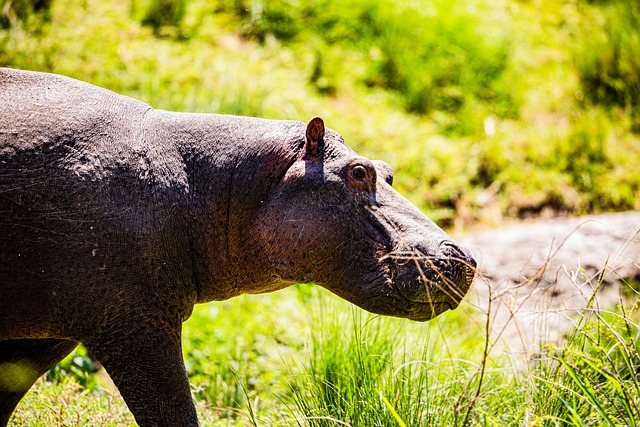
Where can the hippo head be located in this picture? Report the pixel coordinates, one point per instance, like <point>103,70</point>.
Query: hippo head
<point>336,221</point>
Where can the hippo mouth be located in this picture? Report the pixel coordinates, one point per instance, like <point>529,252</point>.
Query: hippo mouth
<point>428,285</point>
<point>424,311</point>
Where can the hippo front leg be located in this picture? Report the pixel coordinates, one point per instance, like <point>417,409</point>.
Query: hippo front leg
<point>145,363</point>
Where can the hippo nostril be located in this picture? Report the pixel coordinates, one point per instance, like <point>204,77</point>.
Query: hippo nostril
<point>470,261</point>
<point>469,273</point>
<point>451,250</point>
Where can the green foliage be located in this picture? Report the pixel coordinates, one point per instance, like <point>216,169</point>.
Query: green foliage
<point>320,79</point>
<point>162,14</point>
<point>433,55</point>
<point>370,371</point>
<point>594,378</point>
<point>234,351</point>
<point>67,403</point>
<point>260,19</point>
<point>366,370</point>
<point>505,130</point>
<point>436,60</point>
<point>583,153</point>
<point>262,360</point>
<point>78,365</point>
<point>12,12</point>
<point>608,56</point>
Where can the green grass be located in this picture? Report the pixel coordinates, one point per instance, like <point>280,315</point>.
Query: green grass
<point>593,380</point>
<point>326,363</point>
<point>382,373</point>
<point>235,350</point>
<point>608,56</point>
<point>371,371</point>
<point>67,403</point>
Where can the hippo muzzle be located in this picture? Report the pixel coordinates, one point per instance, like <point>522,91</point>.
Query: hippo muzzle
<point>428,272</point>
<point>432,279</point>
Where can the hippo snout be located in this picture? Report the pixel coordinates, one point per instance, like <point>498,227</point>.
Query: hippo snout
<point>459,263</point>
<point>433,279</point>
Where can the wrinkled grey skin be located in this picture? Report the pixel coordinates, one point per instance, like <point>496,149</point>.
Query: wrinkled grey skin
<point>116,219</point>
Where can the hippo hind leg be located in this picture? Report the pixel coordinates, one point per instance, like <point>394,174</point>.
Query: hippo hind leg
<point>22,362</point>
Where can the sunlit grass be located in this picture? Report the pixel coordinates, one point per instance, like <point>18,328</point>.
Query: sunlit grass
<point>608,56</point>
<point>325,363</point>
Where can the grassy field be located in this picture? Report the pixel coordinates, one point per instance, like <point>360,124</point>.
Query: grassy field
<point>487,111</point>
<point>322,362</point>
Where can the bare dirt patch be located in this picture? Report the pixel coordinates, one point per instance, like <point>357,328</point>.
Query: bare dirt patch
<point>536,278</point>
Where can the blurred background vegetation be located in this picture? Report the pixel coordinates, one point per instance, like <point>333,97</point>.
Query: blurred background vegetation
<point>486,110</point>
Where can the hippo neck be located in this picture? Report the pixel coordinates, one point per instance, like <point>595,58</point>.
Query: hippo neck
<point>232,165</point>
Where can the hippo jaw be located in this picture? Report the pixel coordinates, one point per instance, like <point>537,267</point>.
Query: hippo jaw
<point>421,271</point>
<point>408,284</point>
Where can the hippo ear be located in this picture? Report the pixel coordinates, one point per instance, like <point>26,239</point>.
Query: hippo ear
<point>315,136</point>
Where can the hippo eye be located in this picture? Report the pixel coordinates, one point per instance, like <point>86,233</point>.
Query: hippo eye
<point>359,172</point>
<point>361,175</point>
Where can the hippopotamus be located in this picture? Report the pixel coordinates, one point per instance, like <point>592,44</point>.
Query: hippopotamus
<point>117,218</point>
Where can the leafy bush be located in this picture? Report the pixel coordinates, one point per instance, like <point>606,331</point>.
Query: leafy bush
<point>78,365</point>
<point>435,60</point>
<point>163,16</point>
<point>259,19</point>
<point>435,56</point>
<point>14,11</point>
<point>608,56</point>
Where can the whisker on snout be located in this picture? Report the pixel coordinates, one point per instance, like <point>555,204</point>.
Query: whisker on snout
<point>434,276</point>
<point>452,290</point>
<point>402,256</point>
